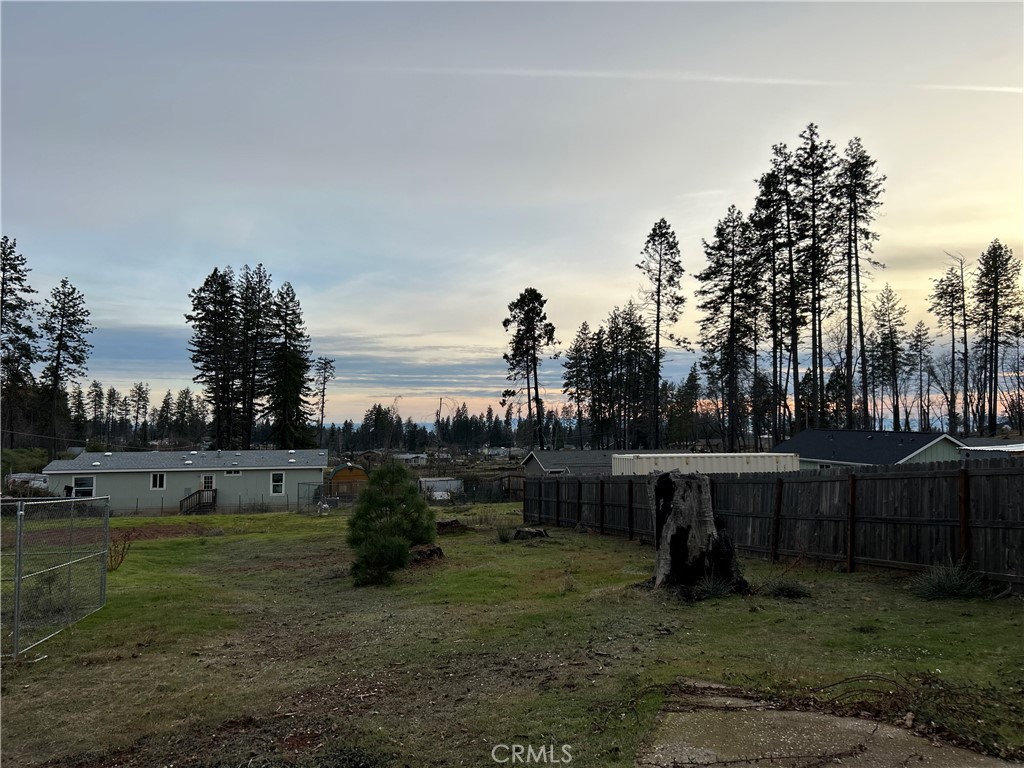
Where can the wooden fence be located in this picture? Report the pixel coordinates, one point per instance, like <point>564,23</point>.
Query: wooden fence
<point>905,516</point>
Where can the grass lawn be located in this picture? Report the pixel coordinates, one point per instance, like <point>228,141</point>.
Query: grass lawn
<point>238,640</point>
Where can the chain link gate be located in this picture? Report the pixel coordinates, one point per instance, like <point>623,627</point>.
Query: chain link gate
<point>53,567</point>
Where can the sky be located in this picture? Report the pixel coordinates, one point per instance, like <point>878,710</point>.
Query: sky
<point>410,168</point>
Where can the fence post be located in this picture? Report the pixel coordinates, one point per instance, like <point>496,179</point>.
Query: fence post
<point>600,506</point>
<point>579,501</point>
<point>106,553</point>
<point>851,512</point>
<point>964,504</point>
<point>629,509</point>
<point>19,541</point>
<point>558,499</point>
<point>71,558</point>
<point>776,515</point>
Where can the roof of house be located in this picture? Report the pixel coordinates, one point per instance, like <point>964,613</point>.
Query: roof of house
<point>1008,444</point>
<point>577,462</point>
<point>860,446</point>
<point>347,466</point>
<point>168,461</point>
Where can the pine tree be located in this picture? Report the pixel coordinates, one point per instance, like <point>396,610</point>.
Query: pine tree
<point>576,376</point>
<point>662,266</point>
<point>730,294</point>
<point>889,315</point>
<point>531,336</point>
<point>288,376</point>
<point>946,299</point>
<point>996,296</point>
<point>18,338</point>
<point>79,412</point>
<point>814,169</point>
<point>793,280</point>
<point>859,191</point>
<point>64,328</point>
<point>138,398</point>
<point>214,348</point>
<point>164,420</point>
<point>323,374</point>
<point>919,346</point>
<point>256,301</point>
<point>768,238</point>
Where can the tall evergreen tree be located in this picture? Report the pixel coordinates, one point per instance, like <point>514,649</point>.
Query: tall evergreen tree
<point>919,346</point>
<point>768,241</point>
<point>288,376</point>
<point>576,376</point>
<point>662,266</point>
<point>859,192</point>
<point>532,334</point>
<point>323,374</point>
<point>214,348</point>
<point>18,337</point>
<point>889,315</point>
<point>255,301</point>
<point>164,420</point>
<point>729,292</point>
<point>79,412</point>
<point>814,169</point>
<point>995,297</point>
<point>946,301</point>
<point>64,328</point>
<point>794,280</point>
<point>138,398</point>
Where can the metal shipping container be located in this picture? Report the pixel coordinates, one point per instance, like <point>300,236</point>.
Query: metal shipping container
<point>704,463</point>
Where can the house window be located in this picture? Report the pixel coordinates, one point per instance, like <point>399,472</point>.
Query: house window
<point>156,481</point>
<point>276,483</point>
<point>232,472</point>
<point>207,482</point>
<point>84,487</point>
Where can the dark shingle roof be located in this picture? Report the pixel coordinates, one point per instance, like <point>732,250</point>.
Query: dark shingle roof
<point>859,446</point>
<point>172,460</point>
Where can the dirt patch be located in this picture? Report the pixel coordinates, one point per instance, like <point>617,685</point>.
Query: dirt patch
<point>708,724</point>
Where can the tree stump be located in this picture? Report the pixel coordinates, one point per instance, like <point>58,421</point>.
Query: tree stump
<point>690,542</point>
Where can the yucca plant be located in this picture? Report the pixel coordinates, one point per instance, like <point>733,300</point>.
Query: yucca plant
<point>949,582</point>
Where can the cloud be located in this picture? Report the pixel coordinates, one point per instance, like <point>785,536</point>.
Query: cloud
<point>655,76</point>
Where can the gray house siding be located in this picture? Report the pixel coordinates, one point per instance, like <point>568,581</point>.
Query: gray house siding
<point>155,489</point>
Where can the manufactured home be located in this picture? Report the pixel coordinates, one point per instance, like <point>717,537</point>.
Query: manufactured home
<point>188,482</point>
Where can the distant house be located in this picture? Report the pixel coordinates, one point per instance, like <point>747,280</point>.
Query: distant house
<point>440,488</point>
<point>411,459</point>
<point>827,448</point>
<point>346,479</point>
<point>991,447</point>
<point>538,463</point>
<point>159,482</point>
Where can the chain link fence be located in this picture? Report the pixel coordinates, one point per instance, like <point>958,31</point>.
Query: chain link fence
<point>53,567</point>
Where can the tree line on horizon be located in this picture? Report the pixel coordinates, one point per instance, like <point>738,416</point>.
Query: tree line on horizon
<point>259,383</point>
<point>787,338</point>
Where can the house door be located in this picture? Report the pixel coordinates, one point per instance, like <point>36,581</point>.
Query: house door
<point>207,483</point>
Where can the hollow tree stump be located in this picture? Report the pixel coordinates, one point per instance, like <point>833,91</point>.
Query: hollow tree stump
<point>689,541</point>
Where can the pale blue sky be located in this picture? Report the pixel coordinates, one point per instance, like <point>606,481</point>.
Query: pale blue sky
<point>410,168</point>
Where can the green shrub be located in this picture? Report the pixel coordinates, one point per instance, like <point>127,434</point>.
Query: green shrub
<point>389,517</point>
<point>505,533</point>
<point>379,557</point>
<point>946,582</point>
